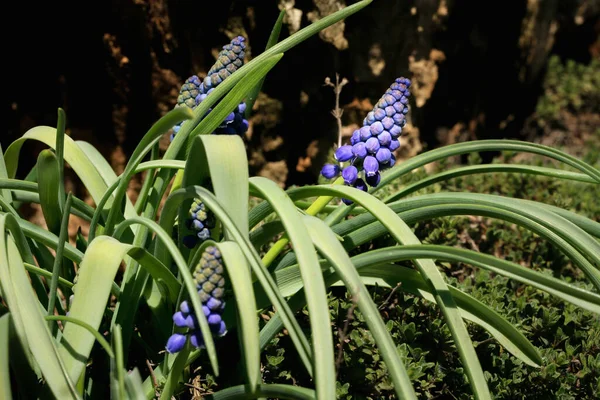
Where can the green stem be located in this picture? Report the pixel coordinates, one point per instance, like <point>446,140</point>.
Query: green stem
<point>58,261</point>
<point>317,206</point>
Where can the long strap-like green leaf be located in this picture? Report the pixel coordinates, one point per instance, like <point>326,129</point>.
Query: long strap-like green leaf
<point>403,234</point>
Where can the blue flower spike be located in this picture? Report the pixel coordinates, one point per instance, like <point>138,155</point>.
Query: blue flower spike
<point>209,276</point>
<point>200,221</point>
<point>371,147</point>
<point>193,92</point>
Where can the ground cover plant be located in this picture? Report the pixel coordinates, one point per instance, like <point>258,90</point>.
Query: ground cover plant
<point>181,279</point>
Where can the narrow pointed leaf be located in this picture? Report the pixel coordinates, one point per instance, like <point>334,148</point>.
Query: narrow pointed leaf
<point>4,175</point>
<point>487,169</point>
<point>332,250</point>
<point>95,173</point>
<point>314,286</point>
<point>5,392</point>
<point>241,281</point>
<point>404,235</point>
<point>25,309</point>
<point>272,391</point>
<point>91,293</point>
<point>471,309</point>
<point>273,38</point>
<point>60,155</point>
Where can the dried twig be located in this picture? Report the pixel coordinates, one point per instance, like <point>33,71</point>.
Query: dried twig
<point>337,111</point>
<point>154,381</point>
<point>386,301</point>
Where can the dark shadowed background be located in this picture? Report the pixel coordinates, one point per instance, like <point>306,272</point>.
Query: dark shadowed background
<point>116,67</point>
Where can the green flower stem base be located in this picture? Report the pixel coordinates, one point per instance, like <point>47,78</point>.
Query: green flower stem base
<point>317,206</point>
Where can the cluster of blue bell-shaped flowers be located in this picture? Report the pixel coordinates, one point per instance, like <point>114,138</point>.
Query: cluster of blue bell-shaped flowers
<point>194,91</point>
<point>209,276</point>
<point>200,221</point>
<point>371,147</point>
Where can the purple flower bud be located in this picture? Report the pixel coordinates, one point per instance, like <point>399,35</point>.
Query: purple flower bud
<point>206,311</point>
<point>330,171</point>
<point>395,131</point>
<point>398,106</point>
<point>214,304</point>
<point>355,137</point>
<point>404,100</point>
<point>176,343</point>
<point>214,319</point>
<point>179,319</point>
<point>392,161</point>
<point>347,201</point>
<point>370,118</point>
<point>197,225</point>
<point>397,94</point>
<point>365,133</point>
<point>389,99</point>
<point>230,117</point>
<point>372,145</point>
<point>403,80</point>
<point>200,98</point>
<point>222,329</point>
<point>374,179</point>
<point>184,307</point>
<point>360,184</point>
<point>191,322</point>
<point>350,174</point>
<point>394,145</point>
<point>379,114</point>
<point>197,340</point>
<point>399,119</point>
<point>387,123</point>
<point>204,234</point>
<point>383,155</point>
<point>360,149</point>
<point>371,166</point>
<point>389,111</point>
<point>384,138</point>
<point>242,108</point>
<point>376,128</point>
<point>344,153</point>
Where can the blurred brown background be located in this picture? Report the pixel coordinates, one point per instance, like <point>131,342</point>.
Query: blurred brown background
<point>116,66</point>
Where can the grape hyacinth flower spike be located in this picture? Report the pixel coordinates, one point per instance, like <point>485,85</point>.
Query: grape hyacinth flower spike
<point>371,147</point>
<point>187,98</point>
<point>193,92</point>
<point>209,276</point>
<point>200,221</point>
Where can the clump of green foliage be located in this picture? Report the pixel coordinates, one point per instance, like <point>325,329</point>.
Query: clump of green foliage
<point>569,86</point>
<point>567,336</point>
<point>125,313</point>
